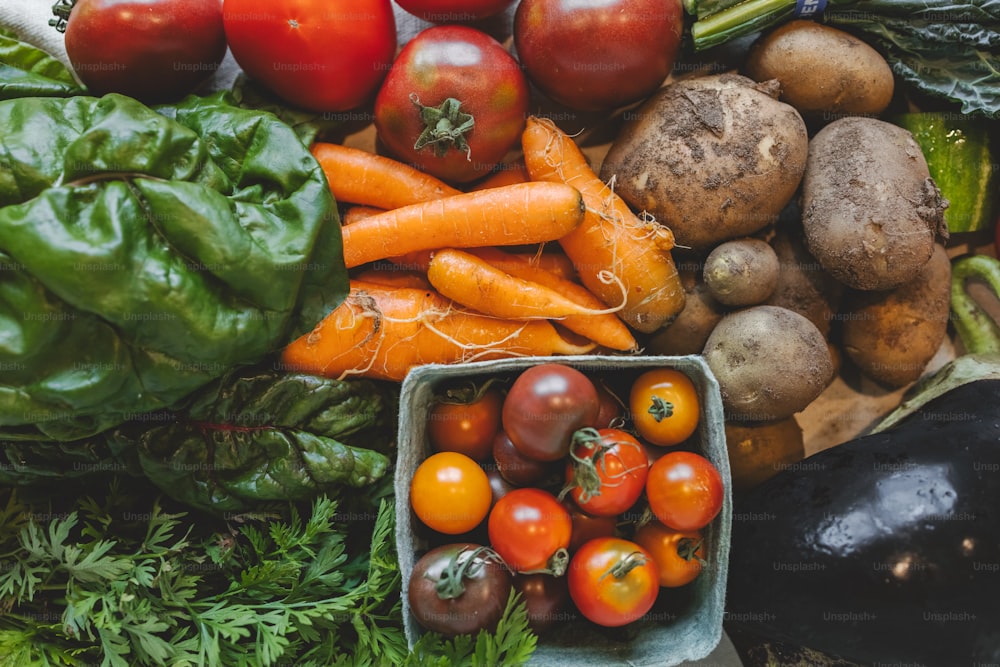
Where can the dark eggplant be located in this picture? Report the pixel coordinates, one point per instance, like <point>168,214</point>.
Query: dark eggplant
<point>885,549</point>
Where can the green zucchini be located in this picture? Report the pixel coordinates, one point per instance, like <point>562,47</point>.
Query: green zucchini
<point>962,160</point>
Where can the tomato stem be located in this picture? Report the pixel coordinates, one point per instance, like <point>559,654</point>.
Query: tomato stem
<point>687,548</point>
<point>625,565</point>
<point>61,9</point>
<point>660,409</point>
<point>451,583</point>
<point>445,127</point>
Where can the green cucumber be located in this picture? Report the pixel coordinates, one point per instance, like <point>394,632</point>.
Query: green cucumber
<point>962,161</point>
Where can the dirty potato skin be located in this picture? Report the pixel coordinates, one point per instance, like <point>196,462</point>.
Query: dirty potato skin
<point>770,363</point>
<point>714,158</point>
<point>759,451</point>
<point>803,286</point>
<point>742,272</point>
<point>871,213</point>
<point>687,333</point>
<point>824,72</point>
<point>892,336</point>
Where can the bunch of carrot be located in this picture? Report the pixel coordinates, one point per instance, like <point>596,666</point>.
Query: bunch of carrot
<point>442,276</point>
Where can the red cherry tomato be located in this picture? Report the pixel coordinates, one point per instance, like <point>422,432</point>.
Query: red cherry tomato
<point>544,406</point>
<point>453,104</point>
<point>586,527</point>
<point>685,490</point>
<point>531,529</point>
<point>613,581</point>
<point>679,555</point>
<point>466,423</point>
<point>454,11</point>
<point>597,55</point>
<point>450,493</point>
<point>665,406</point>
<point>321,55</point>
<point>607,471</point>
<point>152,50</point>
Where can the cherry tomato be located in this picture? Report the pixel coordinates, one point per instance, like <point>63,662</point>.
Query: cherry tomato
<point>665,407</point>
<point>607,471</point>
<point>453,104</point>
<point>499,486</point>
<point>458,589</point>
<point>531,529</point>
<point>613,581</point>
<point>596,55</point>
<point>454,11</point>
<point>153,50</point>
<point>450,493</point>
<point>611,411</point>
<point>466,422</point>
<point>515,467</point>
<point>544,406</point>
<point>679,555</point>
<point>546,598</point>
<point>586,527</point>
<point>685,490</point>
<point>321,55</point>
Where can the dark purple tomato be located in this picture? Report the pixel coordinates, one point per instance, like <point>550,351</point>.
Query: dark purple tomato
<point>546,598</point>
<point>459,588</point>
<point>545,405</point>
<point>517,468</point>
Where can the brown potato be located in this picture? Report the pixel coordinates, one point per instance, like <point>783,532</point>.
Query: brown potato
<point>714,158</point>
<point>770,363</point>
<point>687,333</point>
<point>742,272</point>
<point>871,213</point>
<point>891,336</point>
<point>758,451</point>
<point>825,73</point>
<point>803,286</point>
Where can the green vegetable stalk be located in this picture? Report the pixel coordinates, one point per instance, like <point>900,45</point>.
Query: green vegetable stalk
<point>944,49</point>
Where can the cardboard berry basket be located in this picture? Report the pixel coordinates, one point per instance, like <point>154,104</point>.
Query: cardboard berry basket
<point>686,623</point>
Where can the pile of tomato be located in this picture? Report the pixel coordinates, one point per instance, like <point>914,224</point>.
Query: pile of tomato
<point>579,497</point>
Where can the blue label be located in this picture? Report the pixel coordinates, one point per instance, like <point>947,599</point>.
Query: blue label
<point>806,8</point>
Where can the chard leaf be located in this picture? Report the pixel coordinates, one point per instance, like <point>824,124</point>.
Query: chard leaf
<point>27,71</point>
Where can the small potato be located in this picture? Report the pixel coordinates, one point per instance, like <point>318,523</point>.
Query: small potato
<point>713,157</point>
<point>687,333</point>
<point>803,285</point>
<point>824,72</point>
<point>892,336</point>
<point>758,451</point>
<point>871,213</point>
<point>743,272</point>
<point>770,363</point>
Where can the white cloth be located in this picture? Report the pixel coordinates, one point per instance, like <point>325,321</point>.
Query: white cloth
<point>29,19</point>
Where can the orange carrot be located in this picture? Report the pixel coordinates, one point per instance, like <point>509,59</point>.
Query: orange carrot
<point>511,215</point>
<point>390,277</point>
<point>506,174</point>
<point>383,332</point>
<point>604,329</point>
<point>553,262</point>
<point>620,258</point>
<point>358,176</point>
<point>360,212</point>
<point>474,283</point>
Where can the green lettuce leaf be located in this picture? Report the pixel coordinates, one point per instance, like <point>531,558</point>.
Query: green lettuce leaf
<point>27,71</point>
<point>145,253</point>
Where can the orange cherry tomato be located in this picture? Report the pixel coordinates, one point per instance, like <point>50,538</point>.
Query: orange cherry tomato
<point>685,490</point>
<point>665,406</point>
<point>679,554</point>
<point>466,423</point>
<point>450,493</point>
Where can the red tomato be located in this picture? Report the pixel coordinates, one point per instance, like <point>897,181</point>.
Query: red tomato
<point>679,555</point>
<point>664,406</point>
<point>454,11</point>
<point>517,468</point>
<point>322,55</point>
<point>544,406</point>
<point>612,581</point>
<point>607,471</point>
<point>466,424</point>
<point>152,50</point>
<point>453,104</point>
<point>531,529</point>
<point>450,493</point>
<point>685,490</point>
<point>586,527</point>
<point>596,55</point>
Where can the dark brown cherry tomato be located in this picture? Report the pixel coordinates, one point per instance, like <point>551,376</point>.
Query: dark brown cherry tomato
<point>544,406</point>
<point>517,468</point>
<point>546,598</point>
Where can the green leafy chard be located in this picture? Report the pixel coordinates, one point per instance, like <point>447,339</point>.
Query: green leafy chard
<point>27,71</point>
<point>145,253</point>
